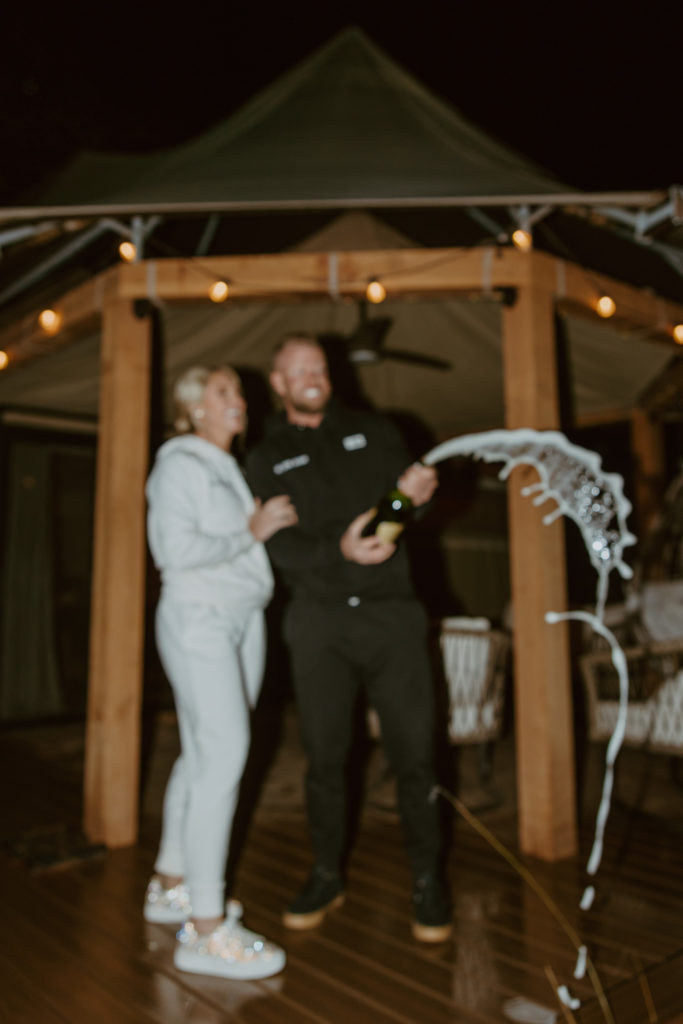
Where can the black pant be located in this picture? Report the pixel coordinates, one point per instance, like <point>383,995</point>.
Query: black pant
<point>383,645</point>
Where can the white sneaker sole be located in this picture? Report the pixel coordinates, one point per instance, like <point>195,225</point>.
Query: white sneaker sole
<point>246,970</point>
<point>156,914</point>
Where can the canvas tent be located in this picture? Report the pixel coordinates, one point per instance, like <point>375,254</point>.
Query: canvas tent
<point>329,130</point>
<point>345,130</point>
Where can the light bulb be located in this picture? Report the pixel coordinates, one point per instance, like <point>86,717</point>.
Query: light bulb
<point>127,252</point>
<point>375,291</point>
<point>678,333</point>
<point>219,291</point>
<point>50,320</point>
<point>606,306</point>
<point>522,239</point>
<point>4,360</point>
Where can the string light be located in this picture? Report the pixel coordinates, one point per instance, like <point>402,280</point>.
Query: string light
<point>606,306</point>
<point>678,333</point>
<point>522,239</point>
<point>127,252</point>
<point>50,320</point>
<point>219,291</point>
<point>4,360</point>
<point>375,291</point>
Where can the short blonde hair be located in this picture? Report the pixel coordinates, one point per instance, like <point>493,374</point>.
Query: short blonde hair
<point>188,392</point>
<point>294,338</point>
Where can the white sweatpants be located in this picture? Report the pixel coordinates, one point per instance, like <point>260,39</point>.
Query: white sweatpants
<point>214,664</point>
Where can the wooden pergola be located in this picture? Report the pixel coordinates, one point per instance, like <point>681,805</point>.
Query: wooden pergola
<point>535,287</point>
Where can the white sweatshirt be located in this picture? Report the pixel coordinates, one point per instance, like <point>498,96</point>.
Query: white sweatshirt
<point>199,506</point>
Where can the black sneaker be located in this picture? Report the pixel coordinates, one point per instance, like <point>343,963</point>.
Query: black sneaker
<point>431,910</point>
<point>322,892</point>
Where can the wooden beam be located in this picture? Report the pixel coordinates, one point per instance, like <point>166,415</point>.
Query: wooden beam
<point>578,289</point>
<point>290,275</point>
<point>543,703</point>
<point>484,270</point>
<point>405,273</point>
<point>117,617</point>
<point>647,444</point>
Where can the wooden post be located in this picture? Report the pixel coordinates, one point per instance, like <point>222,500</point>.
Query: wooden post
<point>543,702</point>
<point>647,444</point>
<point>112,756</point>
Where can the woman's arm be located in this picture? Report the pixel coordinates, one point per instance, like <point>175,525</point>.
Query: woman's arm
<point>176,539</point>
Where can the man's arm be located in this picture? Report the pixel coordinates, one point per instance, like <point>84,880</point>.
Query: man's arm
<point>415,480</point>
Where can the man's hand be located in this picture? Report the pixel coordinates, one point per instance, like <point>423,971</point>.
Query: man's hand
<point>418,482</point>
<point>364,550</point>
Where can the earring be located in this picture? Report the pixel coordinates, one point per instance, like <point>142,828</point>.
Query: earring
<point>198,414</point>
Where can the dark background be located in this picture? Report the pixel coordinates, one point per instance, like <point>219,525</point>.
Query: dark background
<point>589,91</point>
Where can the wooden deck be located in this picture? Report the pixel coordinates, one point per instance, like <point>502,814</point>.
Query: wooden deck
<point>75,947</point>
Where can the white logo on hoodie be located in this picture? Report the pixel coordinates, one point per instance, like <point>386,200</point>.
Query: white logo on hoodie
<point>298,460</point>
<point>354,441</point>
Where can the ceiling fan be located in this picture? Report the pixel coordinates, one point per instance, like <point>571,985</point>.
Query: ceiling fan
<point>366,344</point>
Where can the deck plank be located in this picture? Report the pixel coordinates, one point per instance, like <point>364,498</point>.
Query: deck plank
<point>81,952</point>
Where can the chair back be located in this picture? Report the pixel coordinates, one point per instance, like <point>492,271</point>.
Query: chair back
<point>474,662</point>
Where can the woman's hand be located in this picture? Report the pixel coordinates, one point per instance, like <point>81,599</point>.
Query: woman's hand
<point>271,516</point>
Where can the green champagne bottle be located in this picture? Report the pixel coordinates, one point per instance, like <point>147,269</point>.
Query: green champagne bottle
<point>390,517</point>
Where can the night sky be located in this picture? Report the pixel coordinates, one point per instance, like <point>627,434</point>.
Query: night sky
<point>592,96</point>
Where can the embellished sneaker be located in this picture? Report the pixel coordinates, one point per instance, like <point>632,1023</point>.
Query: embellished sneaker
<point>322,892</point>
<point>166,906</point>
<point>229,951</point>
<point>431,910</point>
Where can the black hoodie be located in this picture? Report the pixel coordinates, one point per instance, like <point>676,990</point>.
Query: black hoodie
<point>332,473</point>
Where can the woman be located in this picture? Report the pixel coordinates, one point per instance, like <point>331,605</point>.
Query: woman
<point>206,535</point>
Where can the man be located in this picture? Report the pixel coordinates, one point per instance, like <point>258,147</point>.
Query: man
<point>353,619</point>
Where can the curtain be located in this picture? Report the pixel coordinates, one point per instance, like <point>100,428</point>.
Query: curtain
<point>29,684</point>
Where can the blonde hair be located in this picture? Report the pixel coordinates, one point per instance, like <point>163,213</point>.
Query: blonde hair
<point>188,392</point>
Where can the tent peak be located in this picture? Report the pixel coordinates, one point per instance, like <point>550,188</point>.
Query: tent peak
<point>346,123</point>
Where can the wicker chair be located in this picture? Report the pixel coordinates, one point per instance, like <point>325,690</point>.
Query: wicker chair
<point>475,664</point>
<point>649,627</point>
<point>654,717</point>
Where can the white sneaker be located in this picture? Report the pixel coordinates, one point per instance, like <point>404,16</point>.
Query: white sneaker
<point>166,906</point>
<point>229,951</point>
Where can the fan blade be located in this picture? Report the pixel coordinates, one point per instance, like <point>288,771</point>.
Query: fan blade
<point>417,358</point>
<point>366,345</point>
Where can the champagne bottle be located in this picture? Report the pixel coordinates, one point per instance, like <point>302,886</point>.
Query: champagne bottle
<point>390,517</point>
